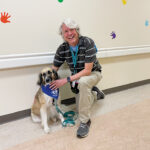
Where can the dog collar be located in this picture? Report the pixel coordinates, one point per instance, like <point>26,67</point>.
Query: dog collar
<point>52,93</point>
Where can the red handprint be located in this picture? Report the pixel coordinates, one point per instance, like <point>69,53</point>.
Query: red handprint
<point>4,18</point>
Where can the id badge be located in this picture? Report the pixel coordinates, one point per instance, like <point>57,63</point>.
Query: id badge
<point>74,83</point>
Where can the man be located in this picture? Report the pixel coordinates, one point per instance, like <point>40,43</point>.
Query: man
<point>80,54</point>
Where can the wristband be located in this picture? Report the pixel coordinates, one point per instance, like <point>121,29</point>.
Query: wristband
<point>68,79</point>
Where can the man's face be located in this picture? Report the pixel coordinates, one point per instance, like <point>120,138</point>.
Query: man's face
<point>70,35</point>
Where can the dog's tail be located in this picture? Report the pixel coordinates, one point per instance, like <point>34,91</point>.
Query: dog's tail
<point>35,118</point>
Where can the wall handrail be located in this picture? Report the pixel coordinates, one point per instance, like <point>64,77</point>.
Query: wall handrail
<point>30,59</point>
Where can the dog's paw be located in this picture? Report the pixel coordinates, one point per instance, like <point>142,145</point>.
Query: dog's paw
<point>70,125</point>
<point>54,119</point>
<point>42,124</point>
<point>35,118</point>
<point>47,130</point>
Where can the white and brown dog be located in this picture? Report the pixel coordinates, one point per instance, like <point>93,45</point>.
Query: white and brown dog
<point>43,108</point>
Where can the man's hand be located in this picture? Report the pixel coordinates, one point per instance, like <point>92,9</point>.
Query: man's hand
<point>4,18</point>
<point>58,83</point>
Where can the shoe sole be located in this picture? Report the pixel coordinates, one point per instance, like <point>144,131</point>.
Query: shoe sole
<point>100,94</point>
<point>79,136</point>
<point>89,124</point>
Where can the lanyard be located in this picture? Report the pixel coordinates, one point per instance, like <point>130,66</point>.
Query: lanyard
<point>74,57</point>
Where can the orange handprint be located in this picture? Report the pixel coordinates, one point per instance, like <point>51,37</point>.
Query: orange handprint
<point>4,18</point>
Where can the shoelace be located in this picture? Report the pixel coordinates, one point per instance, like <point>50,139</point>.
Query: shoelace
<point>82,125</point>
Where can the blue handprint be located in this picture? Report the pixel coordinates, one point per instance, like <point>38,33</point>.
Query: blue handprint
<point>146,23</point>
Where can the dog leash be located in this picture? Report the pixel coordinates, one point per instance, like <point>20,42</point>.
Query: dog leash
<point>70,116</point>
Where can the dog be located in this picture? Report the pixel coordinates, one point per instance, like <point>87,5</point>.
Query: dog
<point>43,109</point>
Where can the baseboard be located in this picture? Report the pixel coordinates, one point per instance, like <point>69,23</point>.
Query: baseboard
<point>26,113</point>
<point>15,116</point>
<point>112,90</point>
<point>125,87</point>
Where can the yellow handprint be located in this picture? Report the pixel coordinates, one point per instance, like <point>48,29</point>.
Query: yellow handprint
<point>124,2</point>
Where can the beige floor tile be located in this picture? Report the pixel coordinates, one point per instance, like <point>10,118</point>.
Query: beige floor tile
<point>22,130</point>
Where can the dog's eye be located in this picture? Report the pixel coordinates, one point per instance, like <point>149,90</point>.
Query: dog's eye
<point>44,74</point>
<point>49,72</point>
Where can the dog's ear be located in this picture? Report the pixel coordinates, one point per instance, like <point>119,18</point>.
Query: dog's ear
<point>55,74</point>
<point>40,80</point>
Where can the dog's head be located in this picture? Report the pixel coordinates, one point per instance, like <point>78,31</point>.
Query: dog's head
<point>46,76</point>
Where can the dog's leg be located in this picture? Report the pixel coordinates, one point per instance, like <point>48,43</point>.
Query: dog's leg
<point>54,119</point>
<point>35,118</point>
<point>44,118</point>
<point>61,117</point>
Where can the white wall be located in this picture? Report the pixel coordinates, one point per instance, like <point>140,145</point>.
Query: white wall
<point>124,70</point>
<point>18,86</point>
<point>34,23</point>
<point>26,44</point>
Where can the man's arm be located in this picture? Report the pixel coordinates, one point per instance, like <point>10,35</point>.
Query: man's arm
<point>60,82</point>
<point>85,72</point>
<point>55,68</point>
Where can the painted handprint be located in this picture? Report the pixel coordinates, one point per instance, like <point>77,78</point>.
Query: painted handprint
<point>146,23</point>
<point>113,34</point>
<point>124,2</point>
<point>4,17</point>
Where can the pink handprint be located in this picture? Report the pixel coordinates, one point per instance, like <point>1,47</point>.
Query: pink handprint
<point>4,18</point>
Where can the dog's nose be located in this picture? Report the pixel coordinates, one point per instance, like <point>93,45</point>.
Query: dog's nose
<point>47,80</point>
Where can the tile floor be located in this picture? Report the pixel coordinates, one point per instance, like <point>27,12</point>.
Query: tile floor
<point>22,130</point>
